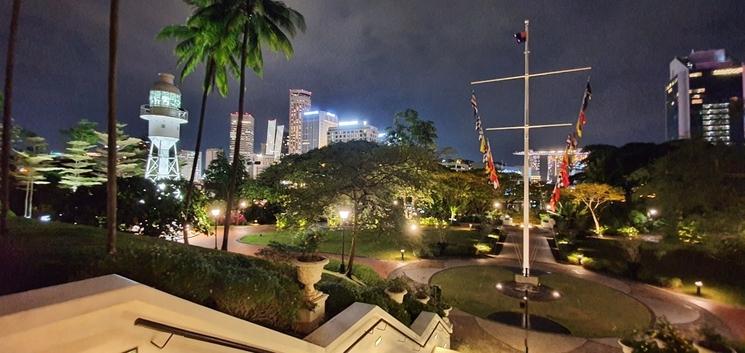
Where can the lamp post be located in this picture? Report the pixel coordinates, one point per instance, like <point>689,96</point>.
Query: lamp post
<point>215,213</point>
<point>343,214</point>
<point>402,254</point>
<point>698,284</point>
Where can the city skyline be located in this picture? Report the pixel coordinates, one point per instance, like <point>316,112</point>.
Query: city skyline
<point>378,68</point>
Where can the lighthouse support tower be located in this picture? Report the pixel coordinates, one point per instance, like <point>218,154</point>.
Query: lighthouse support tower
<point>164,116</point>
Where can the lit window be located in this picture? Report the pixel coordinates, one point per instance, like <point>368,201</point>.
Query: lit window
<point>694,74</point>
<point>726,72</point>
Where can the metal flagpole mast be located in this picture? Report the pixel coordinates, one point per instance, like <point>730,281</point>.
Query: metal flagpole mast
<point>526,127</point>
<point>526,159</point>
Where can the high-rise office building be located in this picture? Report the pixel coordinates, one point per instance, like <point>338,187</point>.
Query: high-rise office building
<point>273,144</point>
<point>299,103</point>
<point>186,158</point>
<point>705,98</point>
<point>247,136</point>
<point>210,155</point>
<point>353,130</point>
<point>316,125</point>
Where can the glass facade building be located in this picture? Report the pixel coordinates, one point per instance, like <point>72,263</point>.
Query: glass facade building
<point>704,98</point>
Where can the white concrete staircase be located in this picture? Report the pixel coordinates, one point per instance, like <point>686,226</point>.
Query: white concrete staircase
<point>114,314</point>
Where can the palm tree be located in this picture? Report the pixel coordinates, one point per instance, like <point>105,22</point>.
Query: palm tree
<point>7,125</point>
<point>257,23</point>
<point>202,40</point>
<point>111,191</point>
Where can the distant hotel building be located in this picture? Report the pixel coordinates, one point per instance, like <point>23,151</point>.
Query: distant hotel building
<point>210,155</point>
<point>247,136</point>
<point>186,158</point>
<point>458,165</point>
<point>705,98</point>
<point>316,125</point>
<point>299,103</point>
<point>352,131</point>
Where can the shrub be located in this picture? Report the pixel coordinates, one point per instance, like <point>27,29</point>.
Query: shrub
<point>628,231</point>
<point>674,282</point>
<point>249,288</point>
<point>340,297</point>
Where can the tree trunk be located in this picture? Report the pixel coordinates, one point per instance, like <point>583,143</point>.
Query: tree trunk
<point>595,219</point>
<point>7,125</point>
<point>353,246</point>
<point>111,190</point>
<point>197,149</point>
<point>25,201</point>
<point>234,167</point>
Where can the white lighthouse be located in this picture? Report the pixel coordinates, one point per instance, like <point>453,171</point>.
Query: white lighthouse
<point>164,116</point>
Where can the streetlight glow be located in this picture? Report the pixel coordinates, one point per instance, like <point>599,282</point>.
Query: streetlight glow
<point>413,226</point>
<point>343,214</point>
<point>497,204</point>
<point>652,212</point>
<point>243,204</point>
<point>215,212</point>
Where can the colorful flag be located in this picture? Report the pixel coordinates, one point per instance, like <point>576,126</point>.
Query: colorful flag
<point>521,37</point>
<point>582,119</point>
<point>555,197</point>
<point>484,147</point>
<point>565,170</point>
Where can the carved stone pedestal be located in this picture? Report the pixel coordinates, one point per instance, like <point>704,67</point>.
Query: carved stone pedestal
<point>309,319</point>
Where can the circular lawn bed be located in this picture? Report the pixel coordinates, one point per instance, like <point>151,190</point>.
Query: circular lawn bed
<point>586,309</point>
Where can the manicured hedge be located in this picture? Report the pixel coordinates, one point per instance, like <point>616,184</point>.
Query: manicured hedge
<point>39,255</point>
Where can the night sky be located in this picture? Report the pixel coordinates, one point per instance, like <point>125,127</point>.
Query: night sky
<point>369,59</point>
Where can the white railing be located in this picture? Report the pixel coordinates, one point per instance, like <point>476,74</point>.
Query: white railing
<point>165,111</point>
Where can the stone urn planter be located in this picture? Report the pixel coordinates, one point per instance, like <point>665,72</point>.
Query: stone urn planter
<point>704,347</point>
<point>446,310</point>
<point>309,273</point>
<point>396,296</point>
<point>625,348</point>
<point>422,299</point>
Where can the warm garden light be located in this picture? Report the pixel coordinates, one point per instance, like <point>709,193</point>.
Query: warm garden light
<point>499,286</point>
<point>243,204</point>
<point>555,294</point>
<point>698,285</point>
<point>402,254</point>
<point>215,212</point>
<point>652,212</point>
<point>343,214</point>
<point>413,227</point>
<point>395,202</point>
<point>497,204</point>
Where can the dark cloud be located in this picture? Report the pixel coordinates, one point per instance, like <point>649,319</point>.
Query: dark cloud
<point>369,59</point>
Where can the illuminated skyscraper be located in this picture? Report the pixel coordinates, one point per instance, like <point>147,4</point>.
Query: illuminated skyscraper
<point>210,155</point>
<point>299,103</point>
<point>247,136</point>
<point>273,143</point>
<point>316,125</point>
<point>186,158</point>
<point>705,98</point>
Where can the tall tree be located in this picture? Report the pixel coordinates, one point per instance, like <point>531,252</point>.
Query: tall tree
<point>31,164</point>
<point>111,193</point>
<point>203,40</point>
<point>7,124</point>
<point>129,153</point>
<point>409,129</point>
<point>256,23</point>
<point>78,167</point>
<point>593,197</point>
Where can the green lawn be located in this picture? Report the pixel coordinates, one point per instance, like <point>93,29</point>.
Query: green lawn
<point>587,309</point>
<point>377,245</point>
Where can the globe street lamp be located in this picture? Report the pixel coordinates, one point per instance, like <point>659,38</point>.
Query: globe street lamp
<point>343,214</point>
<point>215,213</point>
